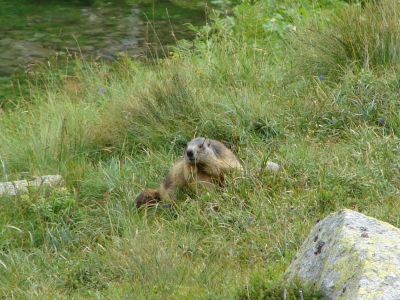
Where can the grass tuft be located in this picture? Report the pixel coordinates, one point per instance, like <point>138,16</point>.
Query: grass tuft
<point>358,38</point>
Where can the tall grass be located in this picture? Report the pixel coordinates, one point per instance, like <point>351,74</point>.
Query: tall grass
<point>359,37</point>
<point>111,130</point>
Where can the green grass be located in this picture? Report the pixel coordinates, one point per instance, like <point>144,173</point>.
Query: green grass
<point>111,130</point>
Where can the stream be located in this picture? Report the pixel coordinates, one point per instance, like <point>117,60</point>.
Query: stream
<point>31,33</point>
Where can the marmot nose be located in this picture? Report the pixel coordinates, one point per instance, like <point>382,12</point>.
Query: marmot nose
<point>189,153</point>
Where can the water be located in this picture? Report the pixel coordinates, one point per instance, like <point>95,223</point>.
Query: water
<point>30,34</point>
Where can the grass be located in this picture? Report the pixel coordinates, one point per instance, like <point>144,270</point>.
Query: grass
<point>111,130</point>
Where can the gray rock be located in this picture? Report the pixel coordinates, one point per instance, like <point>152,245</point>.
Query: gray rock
<point>350,256</point>
<point>21,186</point>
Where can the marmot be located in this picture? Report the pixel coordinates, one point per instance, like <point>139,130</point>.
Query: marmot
<point>203,165</point>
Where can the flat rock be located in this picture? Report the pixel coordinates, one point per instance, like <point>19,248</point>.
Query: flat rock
<point>350,256</point>
<point>21,186</point>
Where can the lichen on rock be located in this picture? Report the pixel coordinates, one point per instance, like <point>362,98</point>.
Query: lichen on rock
<point>350,256</point>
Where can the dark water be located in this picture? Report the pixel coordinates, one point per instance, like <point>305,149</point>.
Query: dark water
<point>30,34</point>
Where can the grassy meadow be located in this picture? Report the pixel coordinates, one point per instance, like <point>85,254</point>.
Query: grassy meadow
<point>312,87</point>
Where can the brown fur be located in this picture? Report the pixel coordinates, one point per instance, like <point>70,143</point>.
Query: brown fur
<point>204,164</point>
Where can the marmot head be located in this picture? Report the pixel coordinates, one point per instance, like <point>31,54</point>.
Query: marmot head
<point>200,151</point>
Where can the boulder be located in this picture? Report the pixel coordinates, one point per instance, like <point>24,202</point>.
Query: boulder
<point>350,256</point>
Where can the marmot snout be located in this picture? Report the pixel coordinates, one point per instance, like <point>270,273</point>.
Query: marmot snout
<point>204,164</point>
<point>190,155</point>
